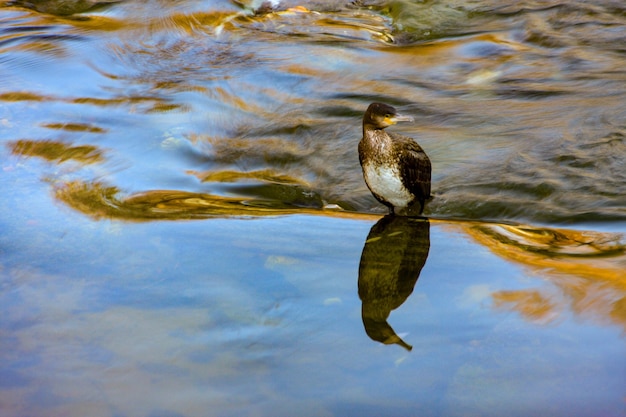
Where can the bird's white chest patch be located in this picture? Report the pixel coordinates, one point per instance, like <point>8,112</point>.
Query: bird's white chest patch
<point>386,183</point>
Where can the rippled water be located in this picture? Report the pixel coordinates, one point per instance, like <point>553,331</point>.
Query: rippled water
<point>117,115</point>
<point>520,106</point>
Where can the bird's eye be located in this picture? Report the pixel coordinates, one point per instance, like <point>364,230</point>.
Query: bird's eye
<point>387,115</point>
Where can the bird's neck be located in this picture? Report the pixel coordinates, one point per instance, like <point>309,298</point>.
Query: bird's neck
<point>370,128</point>
<point>377,145</point>
<point>376,137</point>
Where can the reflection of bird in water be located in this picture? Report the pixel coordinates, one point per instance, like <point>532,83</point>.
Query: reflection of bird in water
<point>393,257</point>
<point>396,169</point>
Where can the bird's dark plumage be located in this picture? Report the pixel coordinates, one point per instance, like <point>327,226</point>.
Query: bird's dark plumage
<point>395,168</point>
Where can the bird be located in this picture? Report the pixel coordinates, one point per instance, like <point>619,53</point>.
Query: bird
<point>395,168</point>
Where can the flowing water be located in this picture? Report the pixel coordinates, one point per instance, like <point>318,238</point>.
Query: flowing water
<point>521,107</point>
<point>121,121</point>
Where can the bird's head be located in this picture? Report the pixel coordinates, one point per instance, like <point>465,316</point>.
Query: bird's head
<point>380,116</point>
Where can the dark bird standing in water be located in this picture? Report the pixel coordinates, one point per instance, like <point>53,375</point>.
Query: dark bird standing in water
<point>396,169</point>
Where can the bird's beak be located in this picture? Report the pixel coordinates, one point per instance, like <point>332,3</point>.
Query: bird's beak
<point>398,118</point>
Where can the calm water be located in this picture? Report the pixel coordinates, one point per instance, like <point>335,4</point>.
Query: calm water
<point>185,230</point>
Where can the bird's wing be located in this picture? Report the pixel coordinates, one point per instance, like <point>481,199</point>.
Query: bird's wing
<point>415,167</point>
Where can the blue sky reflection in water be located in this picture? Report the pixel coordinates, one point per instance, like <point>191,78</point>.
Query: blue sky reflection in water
<point>231,315</point>
<point>169,243</point>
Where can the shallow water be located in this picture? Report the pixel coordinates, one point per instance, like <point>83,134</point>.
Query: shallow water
<point>185,227</point>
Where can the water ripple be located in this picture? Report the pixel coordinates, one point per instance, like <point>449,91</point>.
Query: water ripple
<point>520,106</point>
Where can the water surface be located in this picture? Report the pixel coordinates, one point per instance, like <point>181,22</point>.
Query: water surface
<point>185,229</point>
<point>520,106</point>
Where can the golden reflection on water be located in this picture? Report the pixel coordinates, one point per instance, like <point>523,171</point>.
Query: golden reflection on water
<point>584,253</point>
<point>100,201</point>
<point>63,7</point>
<point>74,127</point>
<point>58,151</point>
<point>531,304</point>
<point>151,104</point>
<point>586,267</point>
<point>21,96</point>
<point>266,175</point>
